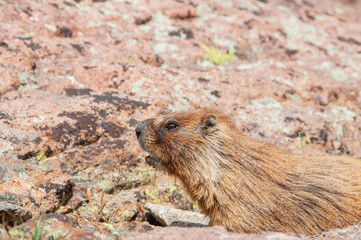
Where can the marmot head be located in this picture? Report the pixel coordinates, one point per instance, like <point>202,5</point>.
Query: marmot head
<point>183,139</point>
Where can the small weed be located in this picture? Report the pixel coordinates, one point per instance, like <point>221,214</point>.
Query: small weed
<point>114,214</point>
<point>103,202</point>
<point>25,203</point>
<point>98,209</point>
<point>196,207</point>
<point>131,60</point>
<point>2,174</point>
<point>41,158</point>
<point>37,233</point>
<point>89,194</point>
<point>302,141</point>
<point>217,56</point>
<point>102,207</point>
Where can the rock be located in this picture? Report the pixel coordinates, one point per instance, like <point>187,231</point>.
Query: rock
<point>208,233</point>
<point>57,186</point>
<point>127,205</point>
<point>47,191</point>
<point>168,216</point>
<point>127,228</point>
<point>80,235</point>
<point>13,214</point>
<point>347,233</point>
<point>112,230</point>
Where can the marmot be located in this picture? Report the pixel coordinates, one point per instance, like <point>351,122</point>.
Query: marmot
<point>248,186</point>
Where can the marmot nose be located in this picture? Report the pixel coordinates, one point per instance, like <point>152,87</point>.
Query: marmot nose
<point>139,129</point>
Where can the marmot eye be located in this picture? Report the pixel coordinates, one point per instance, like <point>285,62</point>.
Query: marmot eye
<point>171,126</point>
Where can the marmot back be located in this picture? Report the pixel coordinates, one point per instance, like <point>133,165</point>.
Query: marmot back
<point>246,185</point>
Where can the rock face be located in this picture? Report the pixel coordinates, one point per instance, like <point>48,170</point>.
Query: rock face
<point>77,75</point>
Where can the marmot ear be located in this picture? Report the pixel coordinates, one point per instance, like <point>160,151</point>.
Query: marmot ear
<point>209,122</point>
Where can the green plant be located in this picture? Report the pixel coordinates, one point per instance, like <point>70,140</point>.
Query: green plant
<point>41,158</point>
<point>216,56</point>
<point>37,233</point>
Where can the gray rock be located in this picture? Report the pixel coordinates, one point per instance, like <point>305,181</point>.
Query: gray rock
<point>168,216</point>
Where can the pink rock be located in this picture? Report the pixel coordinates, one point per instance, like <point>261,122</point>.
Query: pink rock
<point>207,233</point>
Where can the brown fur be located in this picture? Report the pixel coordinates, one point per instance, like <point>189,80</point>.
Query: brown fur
<point>248,186</point>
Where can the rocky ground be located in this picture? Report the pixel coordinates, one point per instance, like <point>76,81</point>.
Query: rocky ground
<point>77,75</point>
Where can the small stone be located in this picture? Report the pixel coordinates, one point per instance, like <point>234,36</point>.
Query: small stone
<point>321,100</point>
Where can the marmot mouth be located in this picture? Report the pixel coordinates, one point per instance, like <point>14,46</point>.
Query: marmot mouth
<point>151,160</point>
